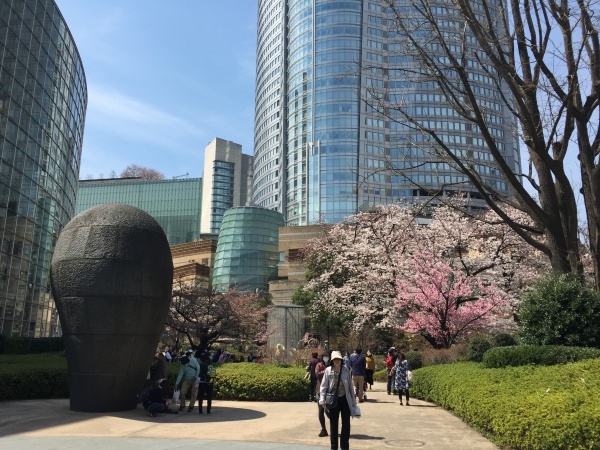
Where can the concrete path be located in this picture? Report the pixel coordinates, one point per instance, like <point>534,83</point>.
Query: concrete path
<point>49,424</point>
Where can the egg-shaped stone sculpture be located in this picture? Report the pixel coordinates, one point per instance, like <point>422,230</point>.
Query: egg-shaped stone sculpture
<point>111,278</point>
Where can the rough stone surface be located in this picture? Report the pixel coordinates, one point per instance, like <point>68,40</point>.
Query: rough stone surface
<point>111,277</point>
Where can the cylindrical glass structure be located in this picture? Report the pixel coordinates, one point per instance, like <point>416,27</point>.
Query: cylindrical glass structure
<point>248,249</point>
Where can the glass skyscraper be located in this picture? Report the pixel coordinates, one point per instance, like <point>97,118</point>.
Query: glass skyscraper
<point>43,98</point>
<point>321,152</point>
<point>174,204</point>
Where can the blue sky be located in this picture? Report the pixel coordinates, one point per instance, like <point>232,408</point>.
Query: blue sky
<point>164,79</point>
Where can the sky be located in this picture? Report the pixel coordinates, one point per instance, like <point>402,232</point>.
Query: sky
<point>164,79</point>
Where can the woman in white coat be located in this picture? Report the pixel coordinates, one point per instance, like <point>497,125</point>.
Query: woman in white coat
<point>337,379</point>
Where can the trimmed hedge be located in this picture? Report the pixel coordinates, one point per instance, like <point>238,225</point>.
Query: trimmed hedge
<point>26,345</point>
<point>477,348</point>
<point>542,355</point>
<point>524,407</point>
<point>45,376</point>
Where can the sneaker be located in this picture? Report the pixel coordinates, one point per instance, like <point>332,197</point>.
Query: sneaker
<point>389,393</point>
<point>323,433</point>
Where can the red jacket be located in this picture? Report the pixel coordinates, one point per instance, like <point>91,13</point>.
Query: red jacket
<point>389,362</point>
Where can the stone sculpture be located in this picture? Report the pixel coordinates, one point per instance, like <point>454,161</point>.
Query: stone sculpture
<point>111,277</point>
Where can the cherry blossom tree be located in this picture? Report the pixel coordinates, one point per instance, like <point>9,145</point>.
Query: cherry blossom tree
<point>354,270</point>
<point>442,303</point>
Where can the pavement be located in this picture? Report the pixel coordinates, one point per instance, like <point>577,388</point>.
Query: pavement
<point>50,424</point>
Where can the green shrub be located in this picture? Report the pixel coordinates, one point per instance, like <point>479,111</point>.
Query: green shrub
<point>45,376</point>
<point>560,311</point>
<point>19,345</point>
<point>477,347</point>
<point>542,355</point>
<point>261,382</point>
<point>380,376</point>
<point>503,340</point>
<point>525,407</point>
<point>414,359</point>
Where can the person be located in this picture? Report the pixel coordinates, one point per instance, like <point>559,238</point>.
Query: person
<point>312,364</point>
<point>205,384</point>
<point>359,364</point>
<point>216,355</point>
<point>389,365</point>
<point>193,361</point>
<point>158,370</point>
<point>319,371</point>
<point>189,375</point>
<point>156,402</point>
<point>337,379</point>
<point>250,357</point>
<point>168,356</point>
<point>370,370</point>
<point>347,362</point>
<point>401,382</point>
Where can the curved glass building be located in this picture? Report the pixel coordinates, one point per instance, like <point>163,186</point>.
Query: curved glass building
<point>43,98</point>
<point>248,249</point>
<point>321,152</point>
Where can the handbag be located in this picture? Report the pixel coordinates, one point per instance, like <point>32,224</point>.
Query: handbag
<point>331,398</point>
<point>356,412</point>
<point>410,376</point>
<point>176,395</point>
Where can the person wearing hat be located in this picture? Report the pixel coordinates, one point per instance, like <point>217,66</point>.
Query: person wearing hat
<point>337,380</point>
<point>189,375</point>
<point>319,372</point>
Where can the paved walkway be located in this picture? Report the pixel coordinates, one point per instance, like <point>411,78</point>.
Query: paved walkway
<point>49,424</point>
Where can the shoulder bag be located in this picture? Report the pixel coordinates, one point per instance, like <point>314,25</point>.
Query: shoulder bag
<point>331,398</point>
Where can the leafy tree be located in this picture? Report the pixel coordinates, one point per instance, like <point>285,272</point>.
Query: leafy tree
<point>133,170</point>
<point>543,60</point>
<point>204,316</point>
<point>560,311</point>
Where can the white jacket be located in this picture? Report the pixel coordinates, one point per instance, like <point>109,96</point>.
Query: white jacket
<point>328,385</point>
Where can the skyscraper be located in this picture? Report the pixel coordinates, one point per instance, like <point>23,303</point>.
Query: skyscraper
<point>321,152</point>
<point>43,98</point>
<point>227,182</point>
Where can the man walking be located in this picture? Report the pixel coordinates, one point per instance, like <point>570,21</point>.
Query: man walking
<point>359,364</point>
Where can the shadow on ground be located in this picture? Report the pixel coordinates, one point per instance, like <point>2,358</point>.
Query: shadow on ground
<point>16,417</point>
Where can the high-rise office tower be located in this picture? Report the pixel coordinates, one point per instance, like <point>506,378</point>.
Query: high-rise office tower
<point>321,152</point>
<point>227,182</point>
<point>43,97</point>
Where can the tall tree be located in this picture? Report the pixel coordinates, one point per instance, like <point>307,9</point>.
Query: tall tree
<point>145,173</point>
<point>543,57</point>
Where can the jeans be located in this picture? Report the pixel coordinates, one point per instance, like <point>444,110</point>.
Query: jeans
<point>205,389</point>
<point>313,385</point>
<point>334,418</point>
<point>390,382</point>
<point>359,384</point>
<point>157,408</point>
<point>184,388</point>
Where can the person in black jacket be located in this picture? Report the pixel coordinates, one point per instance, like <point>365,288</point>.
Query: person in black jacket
<point>205,384</point>
<point>156,402</point>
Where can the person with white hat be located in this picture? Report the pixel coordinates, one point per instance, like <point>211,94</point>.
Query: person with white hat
<point>337,388</point>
